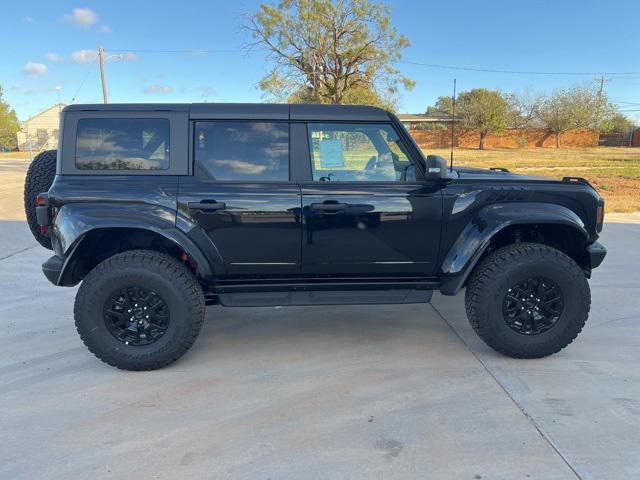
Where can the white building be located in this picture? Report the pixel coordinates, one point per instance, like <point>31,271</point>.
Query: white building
<point>41,130</point>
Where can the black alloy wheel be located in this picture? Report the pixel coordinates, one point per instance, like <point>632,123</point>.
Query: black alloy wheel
<point>527,300</point>
<point>533,306</point>
<point>136,315</point>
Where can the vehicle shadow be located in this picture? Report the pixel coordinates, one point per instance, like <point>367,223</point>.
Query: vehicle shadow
<point>238,334</point>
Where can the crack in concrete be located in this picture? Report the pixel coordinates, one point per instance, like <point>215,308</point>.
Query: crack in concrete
<point>535,424</point>
<point>16,253</point>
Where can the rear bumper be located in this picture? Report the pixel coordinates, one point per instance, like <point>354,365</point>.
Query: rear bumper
<point>52,269</point>
<point>597,252</point>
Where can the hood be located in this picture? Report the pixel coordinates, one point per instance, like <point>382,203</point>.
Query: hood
<point>495,174</point>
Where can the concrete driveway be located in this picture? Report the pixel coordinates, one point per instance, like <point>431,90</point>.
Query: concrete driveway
<point>387,392</point>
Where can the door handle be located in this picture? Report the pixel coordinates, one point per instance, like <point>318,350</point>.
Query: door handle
<point>207,206</point>
<point>329,207</point>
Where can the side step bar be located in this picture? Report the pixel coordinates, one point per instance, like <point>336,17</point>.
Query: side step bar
<point>324,297</point>
<point>321,291</point>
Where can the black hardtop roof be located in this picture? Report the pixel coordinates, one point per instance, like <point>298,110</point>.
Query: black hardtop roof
<point>246,111</point>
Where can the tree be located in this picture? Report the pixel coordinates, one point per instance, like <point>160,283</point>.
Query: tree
<point>482,110</point>
<point>9,125</point>
<point>523,109</point>
<point>330,51</point>
<point>443,105</point>
<point>617,123</point>
<point>582,106</point>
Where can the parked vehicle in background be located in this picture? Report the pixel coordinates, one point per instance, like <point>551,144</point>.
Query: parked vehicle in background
<point>160,209</point>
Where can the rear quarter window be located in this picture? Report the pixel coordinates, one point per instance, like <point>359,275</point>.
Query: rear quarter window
<point>123,144</point>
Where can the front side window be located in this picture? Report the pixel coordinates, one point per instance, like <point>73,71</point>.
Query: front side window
<point>247,151</point>
<point>122,144</point>
<point>358,152</point>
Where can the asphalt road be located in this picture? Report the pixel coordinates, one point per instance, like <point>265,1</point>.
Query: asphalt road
<point>376,392</point>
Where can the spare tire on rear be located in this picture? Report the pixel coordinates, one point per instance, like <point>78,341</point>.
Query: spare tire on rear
<point>38,180</point>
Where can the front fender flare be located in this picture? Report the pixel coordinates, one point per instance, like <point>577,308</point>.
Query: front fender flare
<point>477,234</point>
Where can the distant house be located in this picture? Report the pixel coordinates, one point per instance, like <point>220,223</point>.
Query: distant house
<point>41,130</point>
<point>413,121</point>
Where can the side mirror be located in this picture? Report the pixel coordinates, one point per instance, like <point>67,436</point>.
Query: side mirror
<point>408,173</point>
<point>436,167</point>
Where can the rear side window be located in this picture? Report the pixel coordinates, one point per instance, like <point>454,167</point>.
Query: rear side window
<point>247,151</point>
<point>123,144</point>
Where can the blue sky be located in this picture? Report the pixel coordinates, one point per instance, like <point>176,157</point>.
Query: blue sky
<point>48,44</point>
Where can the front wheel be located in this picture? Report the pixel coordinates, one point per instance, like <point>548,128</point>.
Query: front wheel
<point>527,300</point>
<point>139,310</point>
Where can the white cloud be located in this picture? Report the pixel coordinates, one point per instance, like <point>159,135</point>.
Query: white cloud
<point>128,57</point>
<point>32,68</point>
<point>105,28</point>
<point>82,17</point>
<point>158,89</point>
<point>27,19</point>
<point>31,91</point>
<point>83,57</point>
<point>206,91</point>
<point>54,57</point>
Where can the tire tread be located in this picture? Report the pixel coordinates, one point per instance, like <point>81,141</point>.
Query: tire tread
<point>477,296</point>
<point>167,266</point>
<point>38,179</point>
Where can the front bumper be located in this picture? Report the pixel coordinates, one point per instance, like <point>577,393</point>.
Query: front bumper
<point>52,269</point>
<point>597,252</point>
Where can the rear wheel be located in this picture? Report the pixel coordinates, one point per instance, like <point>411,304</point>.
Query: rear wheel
<point>527,300</point>
<point>139,310</point>
<point>39,178</point>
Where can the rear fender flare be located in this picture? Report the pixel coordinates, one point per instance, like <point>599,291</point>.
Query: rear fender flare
<point>75,221</point>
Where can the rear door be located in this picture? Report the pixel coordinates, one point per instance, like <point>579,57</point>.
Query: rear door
<point>367,210</point>
<point>241,197</point>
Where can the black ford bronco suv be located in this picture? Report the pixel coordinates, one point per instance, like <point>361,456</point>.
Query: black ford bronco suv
<point>162,209</point>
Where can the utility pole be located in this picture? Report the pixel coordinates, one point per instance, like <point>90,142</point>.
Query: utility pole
<point>453,123</point>
<point>104,84</point>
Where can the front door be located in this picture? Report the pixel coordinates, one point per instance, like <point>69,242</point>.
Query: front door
<point>241,196</point>
<point>365,212</point>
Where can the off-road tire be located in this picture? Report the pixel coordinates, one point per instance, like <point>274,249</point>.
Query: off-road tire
<point>487,287</point>
<point>171,279</point>
<point>38,180</point>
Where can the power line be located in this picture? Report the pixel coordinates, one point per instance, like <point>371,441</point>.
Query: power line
<point>512,72</point>
<point>625,104</point>
<point>73,99</point>
<point>408,62</point>
<point>200,51</point>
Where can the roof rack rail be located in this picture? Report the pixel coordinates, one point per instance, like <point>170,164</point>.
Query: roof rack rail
<point>581,180</point>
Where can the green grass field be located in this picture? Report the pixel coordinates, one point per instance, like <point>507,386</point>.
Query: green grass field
<point>614,171</point>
